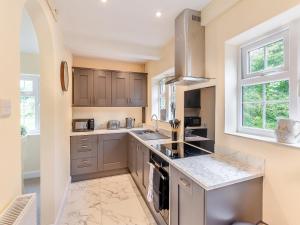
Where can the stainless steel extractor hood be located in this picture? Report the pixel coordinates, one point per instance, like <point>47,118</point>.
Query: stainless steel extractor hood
<point>189,49</point>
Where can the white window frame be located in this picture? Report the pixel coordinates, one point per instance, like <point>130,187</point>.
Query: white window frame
<point>168,95</point>
<point>36,93</point>
<point>266,76</point>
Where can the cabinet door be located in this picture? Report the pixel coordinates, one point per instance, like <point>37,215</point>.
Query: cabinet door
<point>120,89</point>
<point>140,165</point>
<point>187,200</point>
<point>138,89</point>
<point>146,168</point>
<point>82,87</point>
<point>102,88</point>
<point>131,155</point>
<point>192,99</point>
<point>113,150</point>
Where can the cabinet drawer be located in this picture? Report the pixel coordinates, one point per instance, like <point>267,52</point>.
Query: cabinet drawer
<point>84,150</point>
<point>83,166</point>
<point>83,140</point>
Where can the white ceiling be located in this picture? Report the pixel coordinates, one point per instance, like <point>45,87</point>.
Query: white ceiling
<point>28,38</point>
<point>120,29</point>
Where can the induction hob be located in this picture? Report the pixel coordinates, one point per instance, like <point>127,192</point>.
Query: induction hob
<point>179,150</point>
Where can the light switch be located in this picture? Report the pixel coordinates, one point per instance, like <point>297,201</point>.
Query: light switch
<point>5,108</point>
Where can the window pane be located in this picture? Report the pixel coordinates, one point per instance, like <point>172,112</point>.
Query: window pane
<point>275,54</point>
<point>26,85</point>
<point>275,111</point>
<point>252,93</point>
<point>28,116</point>
<point>278,90</point>
<point>256,60</point>
<point>252,115</point>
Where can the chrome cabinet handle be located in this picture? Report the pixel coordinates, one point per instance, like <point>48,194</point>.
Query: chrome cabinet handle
<point>83,165</point>
<point>84,139</point>
<point>184,182</point>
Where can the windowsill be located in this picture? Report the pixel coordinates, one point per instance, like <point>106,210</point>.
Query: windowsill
<point>33,133</point>
<point>265,139</point>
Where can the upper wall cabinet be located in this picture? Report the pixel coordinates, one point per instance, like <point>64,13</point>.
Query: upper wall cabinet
<point>138,90</point>
<point>82,87</point>
<point>102,88</point>
<point>120,89</point>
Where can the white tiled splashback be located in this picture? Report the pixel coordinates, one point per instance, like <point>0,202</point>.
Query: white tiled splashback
<point>102,115</point>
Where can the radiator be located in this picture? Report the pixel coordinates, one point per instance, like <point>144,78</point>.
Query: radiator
<point>22,211</point>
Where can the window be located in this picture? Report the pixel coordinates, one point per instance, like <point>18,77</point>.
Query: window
<point>264,84</point>
<point>30,103</point>
<point>167,99</point>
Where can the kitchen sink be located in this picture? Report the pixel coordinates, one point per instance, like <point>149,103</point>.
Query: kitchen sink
<point>149,135</point>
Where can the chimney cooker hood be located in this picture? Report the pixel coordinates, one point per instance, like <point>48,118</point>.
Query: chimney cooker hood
<point>189,49</point>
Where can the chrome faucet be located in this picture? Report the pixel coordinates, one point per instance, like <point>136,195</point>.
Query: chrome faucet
<point>154,116</point>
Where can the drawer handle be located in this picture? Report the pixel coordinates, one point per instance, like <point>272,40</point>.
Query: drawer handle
<point>84,139</point>
<point>83,165</point>
<point>184,182</point>
<point>84,146</point>
<point>84,150</point>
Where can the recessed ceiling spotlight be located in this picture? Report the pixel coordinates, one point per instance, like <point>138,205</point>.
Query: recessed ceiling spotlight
<point>104,1</point>
<point>158,14</point>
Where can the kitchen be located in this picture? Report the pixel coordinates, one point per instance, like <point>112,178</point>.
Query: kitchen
<point>169,168</point>
<point>150,112</point>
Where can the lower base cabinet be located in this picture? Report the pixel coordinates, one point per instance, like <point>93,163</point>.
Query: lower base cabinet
<point>190,204</point>
<point>95,156</point>
<point>112,151</point>
<point>186,200</point>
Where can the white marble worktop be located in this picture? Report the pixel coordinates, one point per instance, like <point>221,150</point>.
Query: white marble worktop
<point>211,171</point>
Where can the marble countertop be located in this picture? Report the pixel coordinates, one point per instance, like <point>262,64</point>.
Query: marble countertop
<point>211,171</point>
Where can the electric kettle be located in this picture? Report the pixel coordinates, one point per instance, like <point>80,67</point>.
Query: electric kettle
<point>130,122</point>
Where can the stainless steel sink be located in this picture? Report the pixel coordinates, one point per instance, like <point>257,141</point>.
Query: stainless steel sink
<point>149,135</point>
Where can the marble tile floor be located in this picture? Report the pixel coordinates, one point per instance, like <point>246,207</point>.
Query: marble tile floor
<point>106,201</point>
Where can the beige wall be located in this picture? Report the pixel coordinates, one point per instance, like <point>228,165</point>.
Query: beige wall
<point>56,111</point>
<point>10,154</point>
<point>30,63</point>
<point>282,180</point>
<point>79,61</point>
<point>282,177</point>
<point>103,114</point>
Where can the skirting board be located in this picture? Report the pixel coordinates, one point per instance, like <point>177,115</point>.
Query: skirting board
<point>31,174</point>
<point>62,203</point>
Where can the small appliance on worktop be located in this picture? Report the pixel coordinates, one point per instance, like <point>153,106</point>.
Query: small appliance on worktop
<point>83,125</point>
<point>113,124</point>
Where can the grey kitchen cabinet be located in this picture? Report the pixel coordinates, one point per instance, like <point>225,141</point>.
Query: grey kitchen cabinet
<point>91,88</point>
<point>83,154</point>
<point>138,89</point>
<point>132,150</point>
<point>192,99</point>
<point>82,87</point>
<point>146,167</point>
<point>191,204</point>
<point>84,166</point>
<point>120,89</point>
<point>112,151</point>
<point>186,200</point>
<point>102,88</point>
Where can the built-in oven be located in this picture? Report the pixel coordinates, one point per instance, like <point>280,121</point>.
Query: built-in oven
<point>161,202</point>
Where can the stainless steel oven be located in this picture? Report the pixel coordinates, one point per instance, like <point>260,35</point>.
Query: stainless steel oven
<point>162,167</point>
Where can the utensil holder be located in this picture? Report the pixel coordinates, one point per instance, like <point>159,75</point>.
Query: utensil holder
<point>175,134</point>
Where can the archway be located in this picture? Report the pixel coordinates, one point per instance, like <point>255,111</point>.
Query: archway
<point>39,14</point>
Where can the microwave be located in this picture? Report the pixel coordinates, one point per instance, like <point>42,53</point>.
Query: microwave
<point>81,125</point>
<point>192,121</point>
